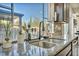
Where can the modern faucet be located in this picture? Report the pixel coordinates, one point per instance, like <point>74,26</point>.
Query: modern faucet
<point>41,25</point>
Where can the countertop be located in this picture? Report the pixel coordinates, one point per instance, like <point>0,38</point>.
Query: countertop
<point>39,48</point>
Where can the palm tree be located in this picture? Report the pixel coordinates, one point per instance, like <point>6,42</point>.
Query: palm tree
<point>36,22</point>
<point>30,23</point>
<point>24,26</point>
<point>7,27</point>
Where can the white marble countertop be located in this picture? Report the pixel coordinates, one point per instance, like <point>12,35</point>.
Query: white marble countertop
<point>29,49</point>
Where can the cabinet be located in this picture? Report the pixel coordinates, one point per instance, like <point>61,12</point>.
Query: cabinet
<point>59,28</point>
<point>61,11</point>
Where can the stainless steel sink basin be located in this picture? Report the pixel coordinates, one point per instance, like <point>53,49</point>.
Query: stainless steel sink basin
<point>58,41</point>
<point>54,40</point>
<point>44,44</point>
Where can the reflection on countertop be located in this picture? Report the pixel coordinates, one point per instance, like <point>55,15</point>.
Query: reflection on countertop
<point>43,47</point>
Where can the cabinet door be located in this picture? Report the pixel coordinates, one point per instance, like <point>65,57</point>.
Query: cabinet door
<point>59,28</point>
<point>66,12</point>
<point>59,9</point>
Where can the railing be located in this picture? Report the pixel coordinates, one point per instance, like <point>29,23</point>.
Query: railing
<point>69,44</point>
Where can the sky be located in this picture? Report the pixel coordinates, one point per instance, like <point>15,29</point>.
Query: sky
<point>30,10</point>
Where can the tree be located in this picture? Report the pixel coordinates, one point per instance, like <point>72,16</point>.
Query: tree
<point>30,22</point>
<point>36,22</point>
<point>24,26</point>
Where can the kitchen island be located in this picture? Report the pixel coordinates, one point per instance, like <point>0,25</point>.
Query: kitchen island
<point>45,47</point>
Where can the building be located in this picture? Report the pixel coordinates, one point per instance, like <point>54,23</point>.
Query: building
<point>6,16</point>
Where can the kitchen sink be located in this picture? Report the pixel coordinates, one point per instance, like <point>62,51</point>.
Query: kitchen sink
<point>44,44</point>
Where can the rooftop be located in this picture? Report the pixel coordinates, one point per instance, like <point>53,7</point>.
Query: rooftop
<point>9,12</point>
